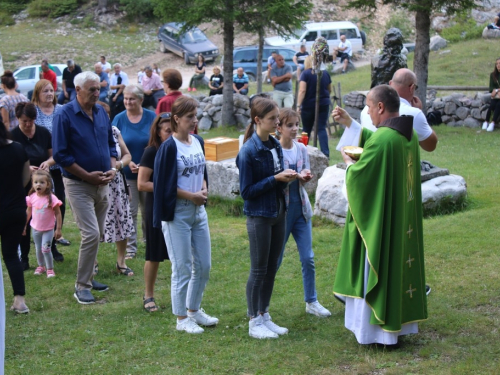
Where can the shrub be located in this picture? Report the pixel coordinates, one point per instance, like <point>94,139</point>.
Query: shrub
<point>6,19</point>
<point>138,9</point>
<point>52,8</point>
<point>465,28</point>
<point>400,20</point>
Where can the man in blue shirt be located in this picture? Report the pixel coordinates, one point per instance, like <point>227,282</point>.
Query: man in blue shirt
<point>281,79</point>
<point>83,145</point>
<point>104,78</point>
<point>240,82</point>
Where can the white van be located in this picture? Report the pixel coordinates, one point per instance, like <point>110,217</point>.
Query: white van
<point>330,30</point>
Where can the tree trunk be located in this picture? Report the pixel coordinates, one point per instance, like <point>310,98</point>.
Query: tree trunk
<point>227,90</point>
<point>260,52</point>
<point>421,60</point>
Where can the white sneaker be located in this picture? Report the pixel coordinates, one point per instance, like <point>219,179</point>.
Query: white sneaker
<point>258,330</point>
<point>491,126</point>
<point>267,321</point>
<point>189,325</point>
<point>315,308</point>
<point>485,125</point>
<point>203,318</point>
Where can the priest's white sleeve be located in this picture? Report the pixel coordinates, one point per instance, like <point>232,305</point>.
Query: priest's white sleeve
<point>351,135</point>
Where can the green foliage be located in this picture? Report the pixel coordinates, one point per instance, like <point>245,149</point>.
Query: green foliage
<point>138,10</point>
<point>52,8</point>
<point>6,19</point>
<point>465,28</point>
<point>399,19</point>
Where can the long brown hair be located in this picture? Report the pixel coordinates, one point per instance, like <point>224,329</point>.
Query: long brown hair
<point>260,108</point>
<point>35,99</point>
<point>48,191</point>
<point>154,138</point>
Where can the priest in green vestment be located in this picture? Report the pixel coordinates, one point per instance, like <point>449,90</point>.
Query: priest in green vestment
<point>381,265</point>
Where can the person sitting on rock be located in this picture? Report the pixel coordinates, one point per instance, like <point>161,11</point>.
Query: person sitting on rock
<point>216,82</point>
<point>240,82</point>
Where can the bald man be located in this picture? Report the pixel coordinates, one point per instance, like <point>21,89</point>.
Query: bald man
<point>404,82</point>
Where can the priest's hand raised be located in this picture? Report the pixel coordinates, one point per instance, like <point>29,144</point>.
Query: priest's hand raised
<point>341,116</point>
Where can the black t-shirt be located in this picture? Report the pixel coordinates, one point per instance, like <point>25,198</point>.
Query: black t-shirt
<point>37,147</point>
<point>216,80</point>
<point>301,57</point>
<point>12,194</point>
<point>148,159</point>
<point>70,76</point>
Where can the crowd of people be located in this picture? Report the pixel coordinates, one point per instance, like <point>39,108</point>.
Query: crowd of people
<point>109,161</point>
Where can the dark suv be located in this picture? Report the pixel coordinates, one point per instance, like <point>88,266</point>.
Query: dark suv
<point>246,57</point>
<point>188,45</point>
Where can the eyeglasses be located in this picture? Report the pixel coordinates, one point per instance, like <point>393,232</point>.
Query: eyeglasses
<point>414,84</point>
<point>166,115</point>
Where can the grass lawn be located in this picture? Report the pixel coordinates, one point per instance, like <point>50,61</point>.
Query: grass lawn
<point>116,335</point>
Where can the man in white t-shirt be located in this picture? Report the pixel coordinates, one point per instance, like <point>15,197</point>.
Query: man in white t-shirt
<point>344,51</point>
<point>106,66</point>
<point>404,82</point>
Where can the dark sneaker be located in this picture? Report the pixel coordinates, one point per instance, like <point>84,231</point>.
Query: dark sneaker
<point>427,290</point>
<point>99,287</point>
<point>58,257</point>
<point>84,297</point>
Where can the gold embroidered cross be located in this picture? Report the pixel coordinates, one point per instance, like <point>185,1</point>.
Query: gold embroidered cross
<point>409,231</point>
<point>410,259</point>
<point>409,182</point>
<point>410,291</point>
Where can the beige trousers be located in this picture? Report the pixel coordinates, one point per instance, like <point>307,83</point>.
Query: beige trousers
<point>89,204</point>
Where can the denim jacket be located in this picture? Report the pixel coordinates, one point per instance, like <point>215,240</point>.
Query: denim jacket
<point>257,183</point>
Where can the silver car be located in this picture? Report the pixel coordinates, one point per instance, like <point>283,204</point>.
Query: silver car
<point>27,77</point>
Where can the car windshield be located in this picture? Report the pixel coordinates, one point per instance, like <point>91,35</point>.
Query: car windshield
<point>298,33</point>
<point>193,36</point>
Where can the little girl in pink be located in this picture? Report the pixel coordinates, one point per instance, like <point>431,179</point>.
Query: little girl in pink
<point>45,209</point>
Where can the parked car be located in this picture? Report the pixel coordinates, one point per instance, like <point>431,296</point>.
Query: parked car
<point>188,45</point>
<point>27,76</point>
<point>330,30</point>
<point>246,58</point>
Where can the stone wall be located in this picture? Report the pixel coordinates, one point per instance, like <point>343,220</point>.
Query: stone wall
<point>456,109</point>
<point>460,110</point>
<point>210,110</point>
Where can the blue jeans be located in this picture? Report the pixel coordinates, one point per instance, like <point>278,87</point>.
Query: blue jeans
<point>188,244</point>
<point>71,94</point>
<point>301,230</point>
<point>242,91</point>
<point>307,115</point>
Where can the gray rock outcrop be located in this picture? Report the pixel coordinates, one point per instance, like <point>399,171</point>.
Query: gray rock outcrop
<point>437,43</point>
<point>210,110</point>
<point>438,191</point>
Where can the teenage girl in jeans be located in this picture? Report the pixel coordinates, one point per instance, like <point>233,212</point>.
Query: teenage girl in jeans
<point>299,214</point>
<point>262,181</point>
<point>180,194</point>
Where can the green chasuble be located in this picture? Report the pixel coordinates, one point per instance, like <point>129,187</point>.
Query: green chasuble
<point>384,224</point>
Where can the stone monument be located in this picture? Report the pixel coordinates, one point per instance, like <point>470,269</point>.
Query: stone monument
<point>391,59</point>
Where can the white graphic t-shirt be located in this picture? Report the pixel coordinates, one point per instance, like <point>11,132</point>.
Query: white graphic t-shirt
<point>190,165</point>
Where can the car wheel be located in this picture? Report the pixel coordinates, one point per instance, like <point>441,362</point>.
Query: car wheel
<point>186,58</point>
<point>251,77</point>
<point>163,49</point>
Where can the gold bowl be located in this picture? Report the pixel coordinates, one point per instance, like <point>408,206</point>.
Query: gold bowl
<point>353,151</point>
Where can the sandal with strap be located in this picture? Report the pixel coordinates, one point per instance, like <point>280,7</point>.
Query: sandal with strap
<point>124,270</point>
<point>152,308</point>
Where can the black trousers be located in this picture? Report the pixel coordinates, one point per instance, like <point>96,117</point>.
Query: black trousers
<point>495,108</point>
<point>11,229</point>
